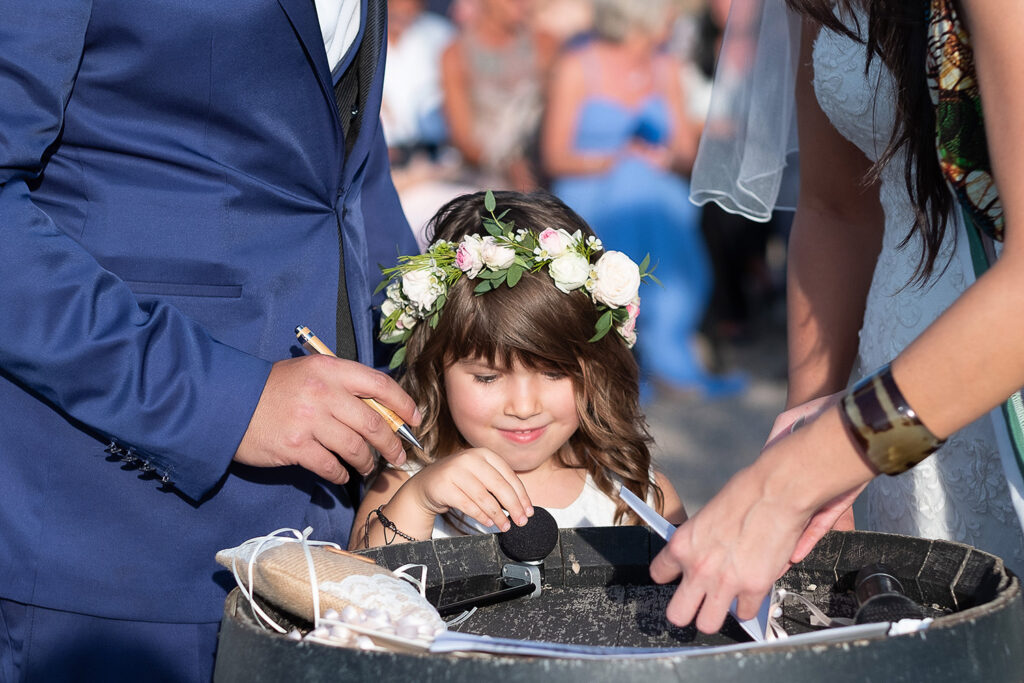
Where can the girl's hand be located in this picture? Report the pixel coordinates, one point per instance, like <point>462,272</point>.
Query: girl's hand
<point>478,483</point>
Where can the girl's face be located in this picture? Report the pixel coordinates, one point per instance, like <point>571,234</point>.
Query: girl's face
<point>522,415</point>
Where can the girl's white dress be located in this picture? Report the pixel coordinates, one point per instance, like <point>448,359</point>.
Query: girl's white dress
<point>591,508</point>
<point>960,493</point>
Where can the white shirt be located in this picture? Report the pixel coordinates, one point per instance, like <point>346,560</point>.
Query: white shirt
<point>339,25</point>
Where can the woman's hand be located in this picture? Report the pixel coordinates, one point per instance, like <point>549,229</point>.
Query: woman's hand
<point>792,419</point>
<point>760,522</point>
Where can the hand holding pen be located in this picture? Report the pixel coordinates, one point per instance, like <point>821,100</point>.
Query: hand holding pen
<point>313,343</point>
<point>312,413</point>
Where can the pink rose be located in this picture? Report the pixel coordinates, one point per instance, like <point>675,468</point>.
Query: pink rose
<point>468,258</point>
<point>553,243</point>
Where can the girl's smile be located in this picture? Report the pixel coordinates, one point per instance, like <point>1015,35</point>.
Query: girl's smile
<point>524,415</point>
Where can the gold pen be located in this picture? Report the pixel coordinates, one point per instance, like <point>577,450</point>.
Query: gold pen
<point>313,343</point>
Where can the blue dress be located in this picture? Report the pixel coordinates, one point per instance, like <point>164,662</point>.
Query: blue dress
<point>640,209</point>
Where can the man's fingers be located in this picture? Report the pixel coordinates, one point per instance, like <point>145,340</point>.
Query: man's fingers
<point>346,444</point>
<point>368,426</point>
<point>322,462</point>
<point>369,383</point>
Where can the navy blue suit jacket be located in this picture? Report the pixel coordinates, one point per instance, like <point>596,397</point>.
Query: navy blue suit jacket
<point>173,187</point>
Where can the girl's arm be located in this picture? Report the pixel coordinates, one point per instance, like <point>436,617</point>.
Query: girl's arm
<point>385,485</point>
<point>564,100</point>
<point>477,482</point>
<point>673,511</point>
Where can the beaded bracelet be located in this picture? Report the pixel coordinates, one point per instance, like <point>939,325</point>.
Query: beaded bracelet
<point>388,526</point>
<point>884,426</point>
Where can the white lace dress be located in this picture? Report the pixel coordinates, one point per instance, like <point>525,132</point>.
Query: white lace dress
<point>960,493</point>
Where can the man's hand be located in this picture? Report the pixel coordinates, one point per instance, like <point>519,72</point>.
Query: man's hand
<point>310,414</point>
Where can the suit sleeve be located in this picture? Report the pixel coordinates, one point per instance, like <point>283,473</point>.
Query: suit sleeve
<point>149,379</point>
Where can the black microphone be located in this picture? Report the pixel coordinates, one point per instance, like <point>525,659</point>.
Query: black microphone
<point>526,546</point>
<point>880,597</point>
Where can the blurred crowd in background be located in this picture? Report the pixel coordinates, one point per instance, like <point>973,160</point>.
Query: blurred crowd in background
<point>601,102</point>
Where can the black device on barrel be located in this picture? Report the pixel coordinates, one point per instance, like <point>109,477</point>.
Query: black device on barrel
<point>880,597</point>
<point>526,546</point>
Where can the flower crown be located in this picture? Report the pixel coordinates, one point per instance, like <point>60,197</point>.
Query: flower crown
<point>417,288</point>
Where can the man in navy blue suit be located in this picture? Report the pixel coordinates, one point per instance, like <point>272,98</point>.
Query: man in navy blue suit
<point>181,184</point>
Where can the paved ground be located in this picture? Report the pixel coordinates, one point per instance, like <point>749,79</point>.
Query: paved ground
<point>700,444</point>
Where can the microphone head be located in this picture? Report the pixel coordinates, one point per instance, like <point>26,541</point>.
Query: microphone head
<point>888,607</point>
<point>880,597</point>
<point>533,541</point>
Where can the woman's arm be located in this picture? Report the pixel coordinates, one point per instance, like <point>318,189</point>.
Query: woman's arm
<point>833,247</point>
<point>972,358</point>
<point>968,361</point>
<point>685,131</point>
<point>458,108</point>
<point>564,99</point>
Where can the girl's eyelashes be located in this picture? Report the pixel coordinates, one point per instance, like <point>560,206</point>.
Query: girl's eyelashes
<point>484,379</point>
<point>555,374</point>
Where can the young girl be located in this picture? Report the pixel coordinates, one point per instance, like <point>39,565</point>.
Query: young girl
<point>516,328</point>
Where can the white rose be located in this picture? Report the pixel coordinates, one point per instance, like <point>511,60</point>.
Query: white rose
<point>554,242</point>
<point>467,256</point>
<point>496,256</point>
<point>616,279</point>
<point>421,288</point>
<point>405,322</point>
<point>569,271</point>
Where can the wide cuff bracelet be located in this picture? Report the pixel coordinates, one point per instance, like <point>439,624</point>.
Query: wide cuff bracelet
<point>884,426</point>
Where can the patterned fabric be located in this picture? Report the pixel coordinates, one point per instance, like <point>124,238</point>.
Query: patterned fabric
<point>959,122</point>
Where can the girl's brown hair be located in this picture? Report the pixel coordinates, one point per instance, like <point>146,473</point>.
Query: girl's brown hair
<point>540,327</point>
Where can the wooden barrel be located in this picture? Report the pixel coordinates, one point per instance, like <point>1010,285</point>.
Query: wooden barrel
<point>597,592</point>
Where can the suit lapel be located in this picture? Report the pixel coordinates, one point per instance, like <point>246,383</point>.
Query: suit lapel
<point>302,15</point>
<point>370,70</point>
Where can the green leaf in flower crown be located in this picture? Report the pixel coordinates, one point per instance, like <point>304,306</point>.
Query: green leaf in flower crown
<point>514,273</point>
<point>493,228</point>
<point>433,320</point>
<point>599,335</point>
<point>397,359</point>
<point>604,323</point>
<point>646,262</point>
<point>489,202</point>
<point>384,283</point>
<point>483,287</point>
